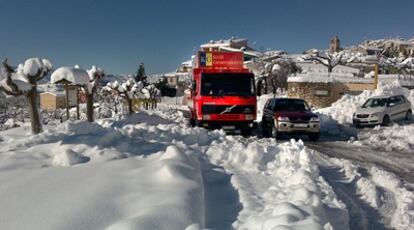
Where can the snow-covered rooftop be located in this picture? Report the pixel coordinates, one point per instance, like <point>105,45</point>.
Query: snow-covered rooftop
<point>70,74</point>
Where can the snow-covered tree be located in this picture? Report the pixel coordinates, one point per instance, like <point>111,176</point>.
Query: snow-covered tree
<point>95,75</point>
<point>404,66</point>
<point>330,60</point>
<point>274,74</point>
<point>127,90</point>
<point>152,93</point>
<point>23,80</point>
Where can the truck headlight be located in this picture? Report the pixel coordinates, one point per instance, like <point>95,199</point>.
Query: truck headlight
<point>248,117</point>
<point>206,117</point>
<point>314,119</point>
<point>375,115</point>
<point>283,118</point>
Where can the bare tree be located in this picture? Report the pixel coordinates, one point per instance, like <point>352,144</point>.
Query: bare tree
<point>330,60</point>
<point>25,80</point>
<point>95,74</point>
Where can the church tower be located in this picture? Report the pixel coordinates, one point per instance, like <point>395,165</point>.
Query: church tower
<point>335,45</point>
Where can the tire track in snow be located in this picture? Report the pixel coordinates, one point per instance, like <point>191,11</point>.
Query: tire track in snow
<point>221,199</point>
<point>361,215</point>
<point>397,163</point>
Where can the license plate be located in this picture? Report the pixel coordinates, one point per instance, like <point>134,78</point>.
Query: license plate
<point>300,125</point>
<point>229,127</point>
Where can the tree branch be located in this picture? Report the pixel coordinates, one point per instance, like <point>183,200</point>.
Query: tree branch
<point>13,88</point>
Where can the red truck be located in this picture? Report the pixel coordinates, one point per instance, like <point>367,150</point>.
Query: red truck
<point>222,93</point>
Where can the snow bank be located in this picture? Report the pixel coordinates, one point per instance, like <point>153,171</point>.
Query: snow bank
<point>68,157</point>
<point>383,191</point>
<point>393,138</point>
<point>174,199</point>
<point>143,172</point>
<point>292,196</point>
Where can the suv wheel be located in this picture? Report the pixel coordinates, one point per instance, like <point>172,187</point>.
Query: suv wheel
<point>265,129</point>
<point>276,134</point>
<point>409,115</point>
<point>386,120</point>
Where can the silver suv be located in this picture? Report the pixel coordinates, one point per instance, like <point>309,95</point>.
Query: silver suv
<point>381,110</point>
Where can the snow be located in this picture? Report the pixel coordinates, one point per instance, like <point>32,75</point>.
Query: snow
<point>33,65</point>
<point>394,138</point>
<point>71,74</point>
<point>102,176</point>
<point>151,170</point>
<point>94,70</point>
<point>29,68</point>
<point>22,85</point>
<point>289,187</point>
<point>313,78</point>
<point>377,187</point>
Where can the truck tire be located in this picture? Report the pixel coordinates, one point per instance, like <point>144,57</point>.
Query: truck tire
<point>314,136</point>
<point>246,132</point>
<point>192,122</point>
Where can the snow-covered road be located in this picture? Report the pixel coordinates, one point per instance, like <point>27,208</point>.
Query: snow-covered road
<point>399,163</point>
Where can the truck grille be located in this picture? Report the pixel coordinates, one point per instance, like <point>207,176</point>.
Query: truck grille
<point>228,109</point>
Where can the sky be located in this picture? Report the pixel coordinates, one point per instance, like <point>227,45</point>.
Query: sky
<point>117,35</point>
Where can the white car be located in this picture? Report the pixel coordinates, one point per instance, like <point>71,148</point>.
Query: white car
<point>381,110</point>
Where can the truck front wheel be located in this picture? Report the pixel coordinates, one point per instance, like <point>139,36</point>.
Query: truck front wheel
<point>314,136</point>
<point>246,132</point>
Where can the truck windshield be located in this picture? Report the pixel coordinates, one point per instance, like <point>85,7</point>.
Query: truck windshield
<point>226,84</point>
<point>375,102</point>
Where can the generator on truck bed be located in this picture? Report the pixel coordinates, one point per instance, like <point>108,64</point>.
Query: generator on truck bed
<point>222,93</point>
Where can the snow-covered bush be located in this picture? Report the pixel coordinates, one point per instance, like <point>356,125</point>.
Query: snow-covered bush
<point>127,90</point>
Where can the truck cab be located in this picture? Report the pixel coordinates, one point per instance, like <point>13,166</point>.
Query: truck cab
<point>223,93</point>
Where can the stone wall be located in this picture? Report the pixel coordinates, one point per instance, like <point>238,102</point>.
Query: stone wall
<point>317,94</point>
<point>323,94</point>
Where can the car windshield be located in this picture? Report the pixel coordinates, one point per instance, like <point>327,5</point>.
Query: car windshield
<point>291,105</point>
<point>375,102</point>
<point>222,84</point>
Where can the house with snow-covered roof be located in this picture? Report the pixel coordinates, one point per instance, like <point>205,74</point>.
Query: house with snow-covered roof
<point>231,45</point>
